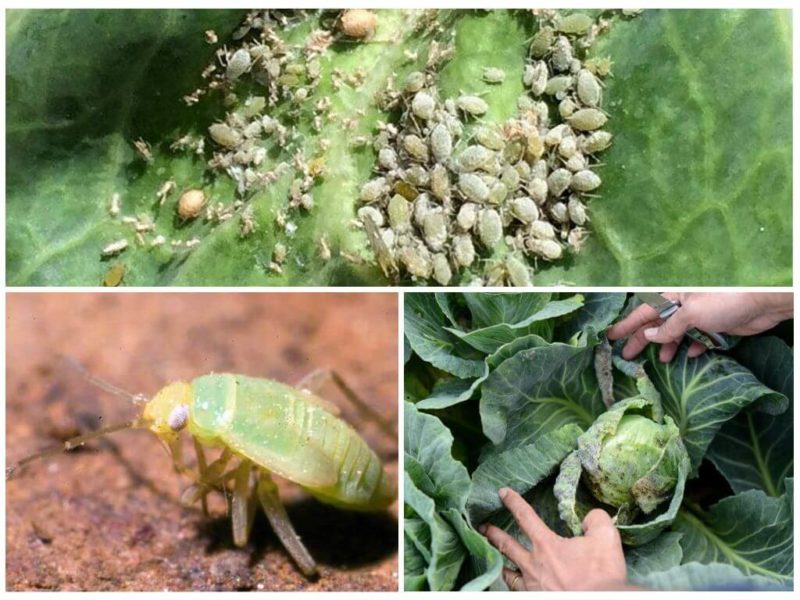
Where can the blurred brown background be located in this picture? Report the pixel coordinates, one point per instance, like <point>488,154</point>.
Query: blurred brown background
<point>107,517</point>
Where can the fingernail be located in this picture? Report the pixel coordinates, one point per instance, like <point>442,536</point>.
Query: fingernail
<point>650,333</point>
<point>502,492</point>
<point>482,529</point>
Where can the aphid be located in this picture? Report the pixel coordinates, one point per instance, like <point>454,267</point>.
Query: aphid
<point>588,88</point>
<point>577,211</point>
<point>415,147</point>
<point>373,190</point>
<point>475,157</point>
<point>414,82</point>
<point>558,212</point>
<point>547,249</point>
<point>113,208</point>
<point>537,189</point>
<point>596,142</point>
<point>510,178</point>
<point>490,227</point>
<point>323,249</point>
<point>575,24</point>
<point>576,162</point>
<point>493,75</point>
<point>473,105</point>
<point>440,182</point>
<point>383,255</point>
<point>567,147</point>
<point>144,150</point>
<point>567,107</point>
<point>542,41</point>
<point>463,250</point>
<point>423,105</point>
<point>302,440</point>
<point>279,252</point>
<point>387,159</point>
<point>191,204</point>
<point>576,237</point>
<point>562,54</point>
<point>114,248</point>
<point>559,85</point>
<point>542,230</point>
<point>114,276</point>
<point>211,36</point>
<point>164,190</point>
<point>588,119</point>
<point>558,181</point>
<point>490,137</point>
<point>399,213</point>
<point>238,64</point>
<point>600,66</point>
<point>473,187</point>
<point>422,205</point>
<point>518,273</point>
<point>539,76</point>
<point>417,260</point>
<point>248,223</point>
<point>441,143</point>
<point>585,181</point>
<point>534,147</point>
<point>225,135</point>
<point>434,228</point>
<point>467,216</point>
<point>441,269</point>
<point>373,213</point>
<point>497,193</point>
<point>524,209</point>
<point>358,23</point>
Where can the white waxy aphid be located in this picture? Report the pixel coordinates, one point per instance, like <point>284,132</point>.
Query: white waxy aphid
<point>414,82</point>
<point>588,119</point>
<point>518,273</point>
<point>373,213</point>
<point>388,236</point>
<point>417,176</point>
<point>493,75</point>
<point>238,64</point>
<point>253,129</point>
<point>114,248</point>
<point>576,238</point>
<point>467,216</point>
<point>497,193</point>
<point>373,190</point>
<point>561,56</point>
<point>387,159</point>
<point>490,137</point>
<point>524,209</point>
<point>475,157</point>
<point>441,142</point>
<point>542,41</point>
<point>575,23</point>
<point>567,107</point>
<point>279,253</point>
<point>441,269</point>
<point>415,147</point>
<point>558,181</point>
<point>423,105</point>
<point>588,88</point>
<point>490,227</point>
<point>434,229</point>
<point>510,178</point>
<point>600,66</point>
<point>537,190</point>
<point>568,147</point>
<point>547,249</point>
<point>473,105</point>
<point>463,250</point>
<point>113,208</point>
<point>559,85</point>
<point>472,187</point>
<point>399,212</point>
<point>577,211</point>
<point>559,213</point>
<point>539,76</point>
<point>585,181</point>
<point>596,142</point>
<point>224,135</point>
<point>524,170</point>
<point>178,417</point>
<point>191,204</point>
<point>576,162</point>
<point>542,230</point>
<point>440,182</point>
<point>554,136</point>
<point>534,147</point>
<point>417,260</point>
<point>422,205</point>
<point>527,75</point>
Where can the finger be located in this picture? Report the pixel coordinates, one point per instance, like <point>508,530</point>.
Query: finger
<point>635,344</point>
<point>695,350</point>
<point>536,529</point>
<point>508,546</point>
<point>639,317</point>
<point>667,352</point>
<point>514,580</point>
<point>672,329</point>
<point>597,522</point>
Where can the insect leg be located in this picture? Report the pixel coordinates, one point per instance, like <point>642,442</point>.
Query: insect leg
<point>317,378</point>
<point>202,467</point>
<point>214,474</point>
<point>276,513</point>
<point>239,502</point>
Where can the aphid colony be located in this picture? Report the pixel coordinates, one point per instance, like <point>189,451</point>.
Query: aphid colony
<point>454,195</point>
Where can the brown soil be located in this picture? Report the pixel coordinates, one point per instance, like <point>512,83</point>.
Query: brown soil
<point>108,516</point>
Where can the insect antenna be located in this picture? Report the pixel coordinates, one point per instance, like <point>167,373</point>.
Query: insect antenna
<point>71,444</point>
<point>102,383</point>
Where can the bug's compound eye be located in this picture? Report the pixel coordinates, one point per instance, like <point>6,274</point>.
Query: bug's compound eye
<point>178,418</point>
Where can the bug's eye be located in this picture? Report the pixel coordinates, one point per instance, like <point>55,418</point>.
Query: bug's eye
<point>178,418</point>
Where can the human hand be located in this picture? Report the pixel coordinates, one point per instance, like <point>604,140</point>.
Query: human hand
<point>593,561</point>
<point>744,313</point>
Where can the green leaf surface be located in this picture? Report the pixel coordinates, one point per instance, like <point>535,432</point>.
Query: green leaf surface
<point>489,308</point>
<point>754,450</point>
<point>661,554</point>
<point>750,531</point>
<point>714,577</point>
<point>484,560</point>
<point>700,170</point>
<point>703,393</point>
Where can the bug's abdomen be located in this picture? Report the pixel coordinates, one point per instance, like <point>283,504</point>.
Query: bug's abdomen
<point>291,433</point>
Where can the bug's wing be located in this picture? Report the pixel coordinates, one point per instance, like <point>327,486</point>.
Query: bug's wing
<point>278,428</point>
<point>382,253</point>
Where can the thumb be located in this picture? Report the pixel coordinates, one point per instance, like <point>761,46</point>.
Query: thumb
<point>671,330</point>
<point>596,521</point>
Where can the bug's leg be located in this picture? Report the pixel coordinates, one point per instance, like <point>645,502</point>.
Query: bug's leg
<point>276,513</point>
<point>239,503</point>
<point>202,467</point>
<point>213,475</point>
<point>319,377</point>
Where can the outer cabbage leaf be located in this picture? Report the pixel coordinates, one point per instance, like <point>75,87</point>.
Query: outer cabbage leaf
<point>713,577</point>
<point>484,560</point>
<point>661,554</point>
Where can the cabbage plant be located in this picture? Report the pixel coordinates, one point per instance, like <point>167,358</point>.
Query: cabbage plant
<point>693,459</point>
